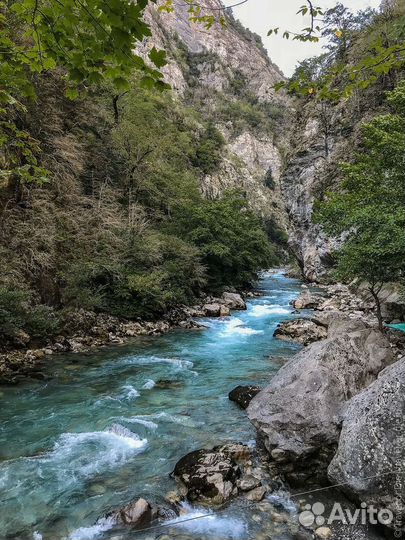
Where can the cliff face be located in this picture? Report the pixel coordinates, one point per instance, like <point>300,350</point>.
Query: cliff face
<point>324,135</point>
<point>226,73</point>
<point>317,141</point>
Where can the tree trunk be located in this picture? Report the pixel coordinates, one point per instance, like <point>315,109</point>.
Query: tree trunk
<point>378,307</point>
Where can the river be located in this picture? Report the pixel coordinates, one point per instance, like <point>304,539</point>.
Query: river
<point>109,427</point>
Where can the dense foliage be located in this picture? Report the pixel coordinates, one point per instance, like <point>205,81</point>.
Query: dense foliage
<point>361,49</point>
<point>370,209</point>
<point>231,240</point>
<point>121,226</point>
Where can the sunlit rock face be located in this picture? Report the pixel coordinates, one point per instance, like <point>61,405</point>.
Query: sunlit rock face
<point>214,68</point>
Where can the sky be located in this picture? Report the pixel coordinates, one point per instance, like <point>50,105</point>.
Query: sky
<point>261,15</point>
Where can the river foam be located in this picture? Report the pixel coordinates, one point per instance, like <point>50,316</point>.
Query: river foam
<point>202,522</point>
<point>236,326</point>
<point>90,452</point>
<point>263,310</point>
<point>94,531</point>
<point>145,360</point>
<point>149,384</point>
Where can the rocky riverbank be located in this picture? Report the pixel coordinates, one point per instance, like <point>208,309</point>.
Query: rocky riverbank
<point>334,413</point>
<point>84,331</point>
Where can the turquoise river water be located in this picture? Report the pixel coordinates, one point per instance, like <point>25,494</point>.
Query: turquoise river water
<point>110,426</point>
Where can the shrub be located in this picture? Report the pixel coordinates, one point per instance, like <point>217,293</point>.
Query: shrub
<point>208,153</point>
<point>16,314</point>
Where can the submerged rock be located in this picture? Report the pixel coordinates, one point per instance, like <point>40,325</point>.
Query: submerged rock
<point>304,331</point>
<point>168,383</point>
<point>256,494</point>
<point>243,395</point>
<point>371,447</point>
<point>300,412</point>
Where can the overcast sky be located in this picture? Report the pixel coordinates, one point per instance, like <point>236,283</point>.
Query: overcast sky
<point>261,15</point>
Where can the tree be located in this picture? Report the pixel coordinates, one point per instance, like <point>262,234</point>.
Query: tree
<point>369,212</point>
<point>231,240</point>
<point>380,49</point>
<point>340,27</point>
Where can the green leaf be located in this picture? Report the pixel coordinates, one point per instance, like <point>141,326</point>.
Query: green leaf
<point>72,93</point>
<point>158,57</point>
<point>121,84</point>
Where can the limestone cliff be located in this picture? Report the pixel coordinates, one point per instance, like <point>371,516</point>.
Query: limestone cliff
<point>225,73</point>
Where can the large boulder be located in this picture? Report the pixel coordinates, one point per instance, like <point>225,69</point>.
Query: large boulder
<point>306,301</point>
<point>299,414</point>
<point>214,476</point>
<point>233,300</point>
<point>370,458</point>
<point>212,310</point>
<point>207,476</point>
<point>304,331</point>
<point>243,395</point>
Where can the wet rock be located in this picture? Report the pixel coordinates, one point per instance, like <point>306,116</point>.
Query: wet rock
<point>306,301</point>
<point>278,518</point>
<point>243,395</point>
<point>299,414</point>
<point>224,311</point>
<point>210,476</point>
<point>97,489</point>
<point>233,300</point>
<point>304,331</point>
<point>323,533</point>
<point>174,498</point>
<point>371,448</point>
<point>248,482</point>
<point>136,514</point>
<point>212,310</point>
<point>256,494</point>
<point>207,476</point>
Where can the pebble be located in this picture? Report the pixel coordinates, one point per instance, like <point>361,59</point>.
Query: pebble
<point>324,533</point>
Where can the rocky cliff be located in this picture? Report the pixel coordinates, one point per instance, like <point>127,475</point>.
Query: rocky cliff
<point>226,73</point>
<point>326,133</point>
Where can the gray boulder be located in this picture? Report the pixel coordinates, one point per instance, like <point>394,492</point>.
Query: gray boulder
<point>212,310</point>
<point>299,414</point>
<point>304,331</point>
<point>214,476</point>
<point>233,300</point>
<point>372,444</point>
<point>306,301</point>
